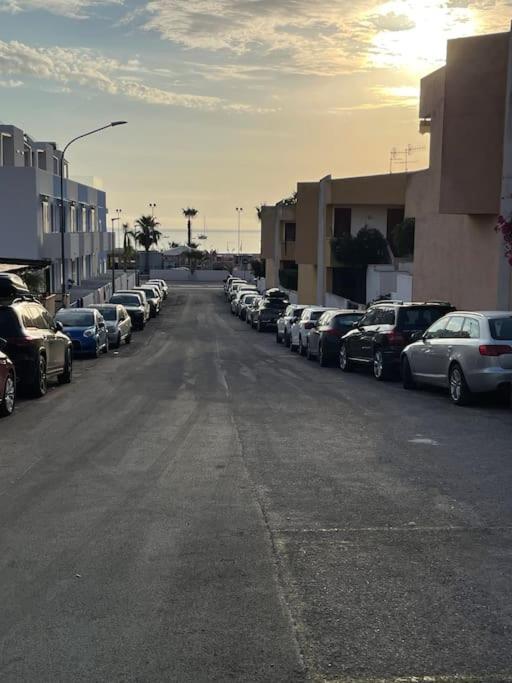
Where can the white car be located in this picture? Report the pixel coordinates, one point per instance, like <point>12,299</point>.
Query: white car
<point>163,286</point>
<point>300,330</point>
<point>234,289</point>
<point>285,322</point>
<point>230,286</point>
<point>235,302</point>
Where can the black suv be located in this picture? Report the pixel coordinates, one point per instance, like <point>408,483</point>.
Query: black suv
<point>268,311</point>
<point>35,344</point>
<point>386,329</point>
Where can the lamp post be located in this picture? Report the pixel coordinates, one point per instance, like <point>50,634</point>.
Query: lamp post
<point>239,211</point>
<point>62,209</point>
<point>113,255</point>
<point>152,207</point>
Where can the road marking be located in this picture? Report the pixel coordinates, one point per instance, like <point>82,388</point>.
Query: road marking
<point>424,442</point>
<point>409,527</point>
<point>454,678</point>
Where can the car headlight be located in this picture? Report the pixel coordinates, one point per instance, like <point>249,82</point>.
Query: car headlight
<point>90,332</point>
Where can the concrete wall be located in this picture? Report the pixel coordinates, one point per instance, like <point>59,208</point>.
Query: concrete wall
<point>20,234</point>
<point>176,275</point>
<point>307,223</point>
<point>382,280</point>
<point>474,116</point>
<point>387,190</point>
<point>306,292</point>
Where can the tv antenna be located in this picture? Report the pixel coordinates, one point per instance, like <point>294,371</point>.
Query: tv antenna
<point>401,157</point>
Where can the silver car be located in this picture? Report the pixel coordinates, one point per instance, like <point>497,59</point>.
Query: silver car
<point>285,322</point>
<point>118,322</point>
<point>467,352</point>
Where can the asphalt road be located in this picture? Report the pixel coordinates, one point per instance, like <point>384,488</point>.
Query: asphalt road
<point>206,506</point>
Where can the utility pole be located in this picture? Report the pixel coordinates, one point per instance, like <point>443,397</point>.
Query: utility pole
<point>152,207</point>
<point>239,211</point>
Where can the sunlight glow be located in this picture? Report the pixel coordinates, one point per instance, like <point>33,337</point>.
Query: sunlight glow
<point>422,46</point>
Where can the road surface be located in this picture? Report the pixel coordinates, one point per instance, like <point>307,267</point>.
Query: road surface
<point>206,506</point>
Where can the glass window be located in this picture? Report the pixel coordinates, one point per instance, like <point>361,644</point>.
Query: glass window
<point>315,315</point>
<point>437,330</point>
<point>471,328</point>
<point>385,316</point>
<point>289,232</point>
<point>76,318</point>
<point>345,321</point>
<point>324,319</point>
<point>420,318</point>
<point>9,324</point>
<point>501,328</point>
<point>48,319</point>
<point>109,313</point>
<point>27,316</point>
<point>454,326</point>
<point>371,317</point>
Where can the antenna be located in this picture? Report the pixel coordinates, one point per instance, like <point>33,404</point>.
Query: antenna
<point>400,157</point>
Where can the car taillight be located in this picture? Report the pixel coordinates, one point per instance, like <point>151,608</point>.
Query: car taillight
<point>394,338</point>
<point>494,349</point>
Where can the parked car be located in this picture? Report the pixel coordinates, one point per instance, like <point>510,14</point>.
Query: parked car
<point>249,289</point>
<point>467,352</point>
<point>324,340</point>
<point>153,298</point>
<point>251,309</point>
<point>231,285</point>
<point>245,301</point>
<point>118,322</point>
<point>379,338</point>
<point>275,293</point>
<point>36,345</point>
<point>284,323</point>
<point>162,284</point>
<point>7,382</point>
<point>300,330</point>
<point>143,300</point>
<point>232,292</point>
<point>86,328</point>
<point>266,314</point>
<point>135,307</point>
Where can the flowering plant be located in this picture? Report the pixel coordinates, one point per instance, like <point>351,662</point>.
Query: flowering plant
<point>504,226</point>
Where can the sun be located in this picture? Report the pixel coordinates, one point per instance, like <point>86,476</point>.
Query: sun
<point>425,27</point>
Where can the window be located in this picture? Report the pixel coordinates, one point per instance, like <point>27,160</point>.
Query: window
<point>289,232</point>
<point>55,166</point>
<point>454,327</point>
<point>385,316</point>
<point>371,317</point>
<point>325,318</point>
<point>83,219</point>
<point>93,219</point>
<point>342,221</point>
<point>419,318</point>
<point>27,154</point>
<point>45,216</point>
<point>72,218</point>
<point>6,150</point>
<point>501,328</point>
<point>471,328</point>
<point>41,159</point>
<point>342,322</point>
<point>437,330</point>
<point>395,216</point>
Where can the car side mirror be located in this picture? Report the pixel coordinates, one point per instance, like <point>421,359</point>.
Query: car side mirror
<point>59,327</point>
<point>416,336</point>
<point>3,344</point>
<point>356,325</point>
<point>101,326</point>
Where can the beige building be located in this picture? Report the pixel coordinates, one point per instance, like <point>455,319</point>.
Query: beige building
<point>459,257</point>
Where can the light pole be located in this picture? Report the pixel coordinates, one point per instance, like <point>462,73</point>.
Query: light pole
<point>152,207</point>
<point>62,209</point>
<point>239,211</point>
<point>113,255</point>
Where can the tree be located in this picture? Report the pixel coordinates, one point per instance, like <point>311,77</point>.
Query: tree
<point>289,201</point>
<point>147,234</point>
<point>402,237</point>
<point>189,215</point>
<point>368,246</point>
<point>195,257</point>
<point>258,267</point>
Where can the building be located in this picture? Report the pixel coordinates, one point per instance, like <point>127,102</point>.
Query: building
<point>299,238</point>
<point>30,220</point>
<point>459,256</point>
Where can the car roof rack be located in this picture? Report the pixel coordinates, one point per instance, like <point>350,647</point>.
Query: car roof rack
<point>25,297</point>
<point>386,301</point>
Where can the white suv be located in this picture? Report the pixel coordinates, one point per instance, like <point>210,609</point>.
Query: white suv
<point>300,330</point>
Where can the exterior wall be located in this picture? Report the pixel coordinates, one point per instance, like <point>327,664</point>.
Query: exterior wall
<point>307,223</point>
<point>387,190</point>
<point>271,273</point>
<point>457,257</point>
<point>268,219</point>
<point>474,116</point>
<point>307,284</point>
<point>19,219</point>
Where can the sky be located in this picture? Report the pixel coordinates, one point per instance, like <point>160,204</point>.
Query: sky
<point>229,102</point>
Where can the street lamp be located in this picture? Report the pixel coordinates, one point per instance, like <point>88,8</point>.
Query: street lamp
<point>62,211</point>
<point>113,255</point>
<point>152,207</point>
<point>239,211</point>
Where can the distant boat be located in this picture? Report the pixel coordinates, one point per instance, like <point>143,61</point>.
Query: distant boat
<point>204,234</point>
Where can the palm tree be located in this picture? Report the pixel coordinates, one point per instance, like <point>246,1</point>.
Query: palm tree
<point>147,234</point>
<point>128,248</point>
<point>189,215</point>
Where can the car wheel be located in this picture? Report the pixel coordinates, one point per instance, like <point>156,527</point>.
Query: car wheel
<point>128,339</point>
<point>40,381</point>
<point>322,359</point>
<point>278,338</point>
<point>287,339</point>
<point>118,341</point>
<point>302,350</point>
<point>460,393</point>
<point>293,347</point>
<point>106,347</point>
<point>97,350</point>
<point>65,377</point>
<point>9,397</point>
<point>406,372</point>
<point>259,327</point>
<point>345,362</point>
<point>309,355</point>
<point>380,367</point>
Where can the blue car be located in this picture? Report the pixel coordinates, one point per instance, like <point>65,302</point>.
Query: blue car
<point>86,328</point>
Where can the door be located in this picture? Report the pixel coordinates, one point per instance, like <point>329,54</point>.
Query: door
<point>316,332</point>
<point>443,347</point>
<point>420,354</point>
<point>366,336</point>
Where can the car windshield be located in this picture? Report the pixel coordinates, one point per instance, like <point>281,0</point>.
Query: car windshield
<point>126,299</point>
<point>274,303</point>
<point>501,328</point>
<point>75,318</point>
<point>421,317</point>
<point>152,293</point>
<point>315,315</point>
<point>341,321</point>
<point>248,299</point>
<point>108,313</point>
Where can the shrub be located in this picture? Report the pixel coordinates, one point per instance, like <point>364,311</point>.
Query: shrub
<point>402,238</point>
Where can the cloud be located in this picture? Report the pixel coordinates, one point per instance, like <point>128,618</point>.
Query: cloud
<point>76,9</point>
<point>10,84</point>
<point>80,67</point>
<point>383,97</point>
<point>392,22</point>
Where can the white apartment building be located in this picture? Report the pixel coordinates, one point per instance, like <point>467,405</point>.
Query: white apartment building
<point>30,211</point>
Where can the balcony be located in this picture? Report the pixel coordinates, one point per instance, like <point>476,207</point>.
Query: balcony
<point>51,247</point>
